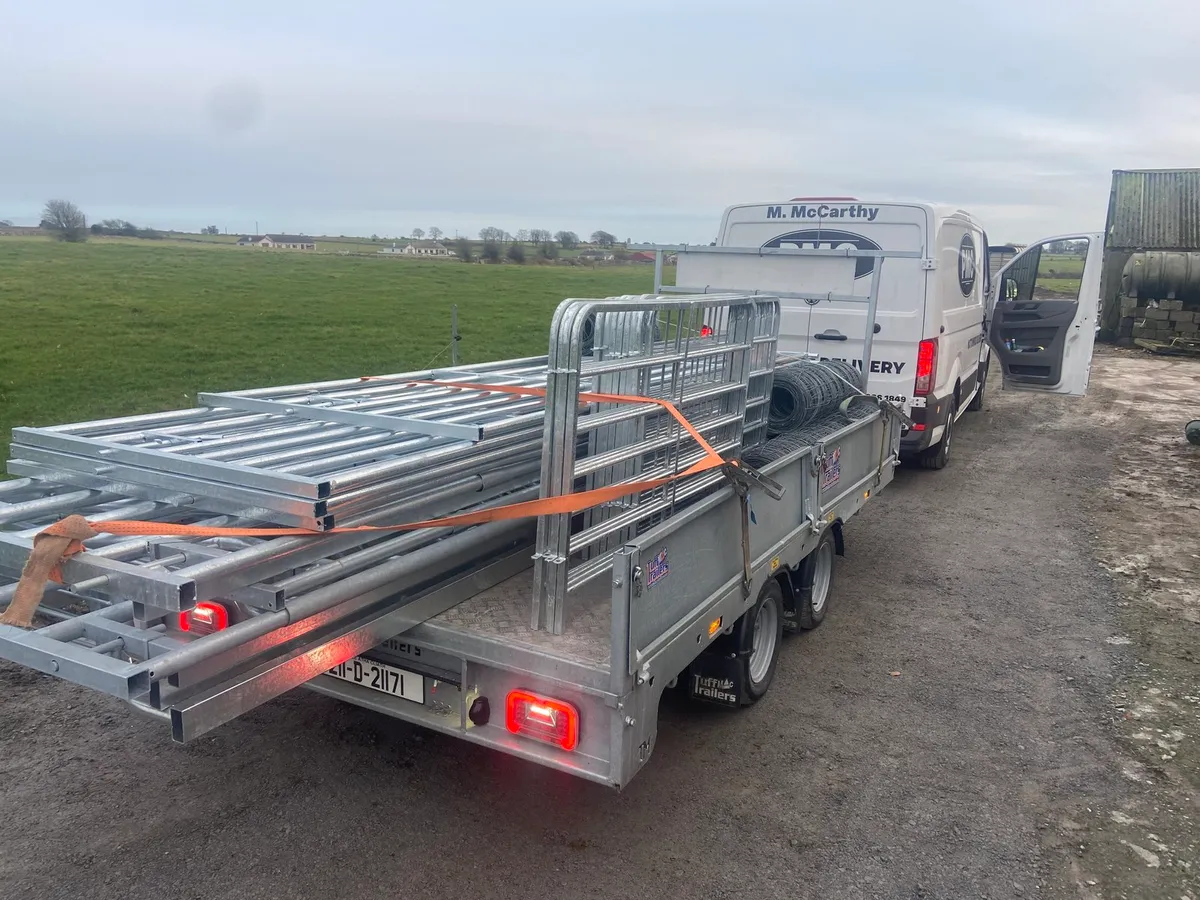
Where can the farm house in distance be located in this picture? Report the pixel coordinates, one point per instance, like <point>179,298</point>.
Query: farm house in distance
<point>277,241</point>
<point>419,248</point>
<point>426,248</point>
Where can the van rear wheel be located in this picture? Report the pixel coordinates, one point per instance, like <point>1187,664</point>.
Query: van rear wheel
<point>937,456</point>
<point>976,404</point>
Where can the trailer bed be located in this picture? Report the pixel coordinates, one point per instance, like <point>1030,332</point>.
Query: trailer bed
<point>501,614</point>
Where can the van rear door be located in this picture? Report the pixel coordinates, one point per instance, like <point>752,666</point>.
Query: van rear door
<point>835,329</point>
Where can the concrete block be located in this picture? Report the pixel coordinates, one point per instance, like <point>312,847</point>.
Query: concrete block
<point>1139,329</point>
<point>1129,306</point>
<point>1170,304</point>
<point>1182,315</point>
<point>1187,327</point>
<point>1160,314</point>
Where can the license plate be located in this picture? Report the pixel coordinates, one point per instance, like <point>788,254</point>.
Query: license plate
<point>380,677</point>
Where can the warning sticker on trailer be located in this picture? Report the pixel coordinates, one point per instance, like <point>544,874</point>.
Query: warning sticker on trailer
<point>659,568</point>
<point>831,469</point>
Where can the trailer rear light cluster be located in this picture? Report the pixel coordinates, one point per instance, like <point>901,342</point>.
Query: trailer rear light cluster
<point>204,618</point>
<point>926,367</point>
<point>542,718</point>
<point>706,331</point>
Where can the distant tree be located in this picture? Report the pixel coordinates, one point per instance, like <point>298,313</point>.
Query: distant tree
<point>65,219</point>
<point>516,253</point>
<point>523,236</point>
<point>491,251</point>
<point>418,233</point>
<point>603,238</point>
<point>435,233</point>
<point>548,249</point>
<point>492,234</point>
<point>569,240</point>
<point>463,248</point>
<point>210,229</point>
<point>117,228</point>
<point>620,255</point>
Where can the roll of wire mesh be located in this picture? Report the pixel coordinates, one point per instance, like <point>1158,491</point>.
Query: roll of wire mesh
<point>805,391</point>
<point>805,407</point>
<point>846,371</point>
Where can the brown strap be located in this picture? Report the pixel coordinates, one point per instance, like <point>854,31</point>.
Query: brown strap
<point>50,547</point>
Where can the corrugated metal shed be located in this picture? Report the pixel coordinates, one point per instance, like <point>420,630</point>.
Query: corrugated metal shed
<point>1154,209</point>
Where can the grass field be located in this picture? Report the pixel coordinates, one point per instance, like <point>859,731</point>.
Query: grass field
<point>120,327</point>
<point>1060,274</point>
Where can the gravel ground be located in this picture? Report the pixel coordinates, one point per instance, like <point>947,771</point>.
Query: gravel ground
<point>1004,760</point>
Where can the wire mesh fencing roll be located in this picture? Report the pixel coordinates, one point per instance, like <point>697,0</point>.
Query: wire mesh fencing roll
<point>812,394</point>
<point>805,391</point>
<point>847,372</point>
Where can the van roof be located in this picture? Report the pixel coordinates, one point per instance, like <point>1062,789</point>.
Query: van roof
<point>938,212</point>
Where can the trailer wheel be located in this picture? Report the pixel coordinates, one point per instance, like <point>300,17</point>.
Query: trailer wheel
<point>816,581</point>
<point>760,635</point>
<point>938,455</point>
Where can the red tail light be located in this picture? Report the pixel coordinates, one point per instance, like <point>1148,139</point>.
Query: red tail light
<point>204,618</point>
<point>706,331</point>
<point>542,718</point>
<point>926,367</point>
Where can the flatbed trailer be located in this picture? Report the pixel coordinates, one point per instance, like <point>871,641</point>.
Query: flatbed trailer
<point>691,582</point>
<point>635,637</point>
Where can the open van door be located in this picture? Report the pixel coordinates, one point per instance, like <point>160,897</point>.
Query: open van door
<point>1045,307</point>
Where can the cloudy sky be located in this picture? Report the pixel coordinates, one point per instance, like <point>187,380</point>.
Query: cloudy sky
<point>642,118</point>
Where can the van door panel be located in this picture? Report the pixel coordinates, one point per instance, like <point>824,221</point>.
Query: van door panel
<point>960,294</point>
<point>835,329</point>
<point>1043,316</point>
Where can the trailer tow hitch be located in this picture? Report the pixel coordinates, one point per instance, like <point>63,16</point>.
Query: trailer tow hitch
<point>744,477</point>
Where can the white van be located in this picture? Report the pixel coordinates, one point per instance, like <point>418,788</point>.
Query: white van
<point>929,353</point>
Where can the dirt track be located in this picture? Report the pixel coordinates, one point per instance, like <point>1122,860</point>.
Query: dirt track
<point>1038,741</point>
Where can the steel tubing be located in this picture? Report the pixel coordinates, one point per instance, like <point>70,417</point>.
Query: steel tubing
<point>282,553</point>
<point>425,552</point>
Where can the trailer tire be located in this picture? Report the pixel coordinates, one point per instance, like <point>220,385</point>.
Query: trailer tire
<point>759,637</point>
<point>815,582</point>
<point>937,456</point>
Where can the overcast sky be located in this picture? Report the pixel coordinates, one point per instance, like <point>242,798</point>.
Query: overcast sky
<point>642,118</point>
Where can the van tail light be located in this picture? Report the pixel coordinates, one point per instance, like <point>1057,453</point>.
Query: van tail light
<point>926,367</point>
<point>706,331</point>
<point>542,718</point>
<point>204,618</point>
